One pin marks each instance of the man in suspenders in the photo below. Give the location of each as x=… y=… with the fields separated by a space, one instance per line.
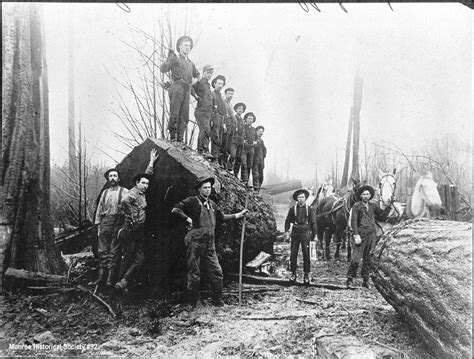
x=109 y=221
x=300 y=224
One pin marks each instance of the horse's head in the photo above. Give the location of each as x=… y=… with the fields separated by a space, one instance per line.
x=428 y=191
x=387 y=184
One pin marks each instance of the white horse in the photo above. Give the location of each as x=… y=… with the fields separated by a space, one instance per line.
x=425 y=200
x=387 y=186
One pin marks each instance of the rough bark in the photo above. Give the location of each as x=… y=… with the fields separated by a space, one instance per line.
x=25 y=141
x=175 y=174
x=423 y=269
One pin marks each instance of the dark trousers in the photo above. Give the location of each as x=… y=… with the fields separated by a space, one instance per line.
x=108 y=230
x=235 y=158
x=247 y=164
x=132 y=249
x=363 y=251
x=226 y=147
x=297 y=238
x=205 y=250
x=257 y=173
x=216 y=136
x=179 y=93
x=203 y=120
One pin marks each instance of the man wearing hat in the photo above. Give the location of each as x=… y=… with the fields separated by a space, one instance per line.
x=235 y=157
x=131 y=235
x=217 y=118
x=259 y=159
x=250 y=138
x=300 y=224
x=108 y=219
x=362 y=221
x=183 y=75
x=201 y=214
x=204 y=109
x=229 y=127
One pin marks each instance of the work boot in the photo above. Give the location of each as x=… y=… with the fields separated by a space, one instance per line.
x=195 y=298
x=336 y=255
x=110 y=278
x=327 y=255
x=101 y=277
x=306 y=279
x=122 y=286
x=293 y=277
x=349 y=282
x=365 y=282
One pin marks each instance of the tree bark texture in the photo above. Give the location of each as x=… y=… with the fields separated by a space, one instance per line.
x=25 y=141
x=176 y=172
x=423 y=269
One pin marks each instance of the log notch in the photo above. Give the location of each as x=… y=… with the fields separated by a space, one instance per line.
x=423 y=269
x=175 y=173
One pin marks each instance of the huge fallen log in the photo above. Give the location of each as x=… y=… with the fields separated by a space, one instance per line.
x=175 y=174
x=423 y=269
x=283 y=187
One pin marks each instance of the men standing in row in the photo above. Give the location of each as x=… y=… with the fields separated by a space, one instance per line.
x=183 y=74
x=237 y=144
x=204 y=109
x=217 y=118
x=201 y=214
x=230 y=127
x=259 y=160
x=249 y=146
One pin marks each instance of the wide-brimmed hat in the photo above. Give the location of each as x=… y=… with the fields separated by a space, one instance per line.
x=240 y=104
x=106 y=174
x=250 y=114
x=140 y=176
x=203 y=180
x=366 y=187
x=181 y=39
x=218 y=77
x=299 y=191
x=207 y=68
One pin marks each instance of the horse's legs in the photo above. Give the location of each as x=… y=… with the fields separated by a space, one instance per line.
x=320 y=233
x=349 y=249
x=327 y=239
x=339 y=238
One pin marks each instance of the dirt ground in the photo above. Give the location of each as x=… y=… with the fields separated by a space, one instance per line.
x=280 y=321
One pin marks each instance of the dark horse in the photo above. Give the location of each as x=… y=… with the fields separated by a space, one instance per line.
x=331 y=219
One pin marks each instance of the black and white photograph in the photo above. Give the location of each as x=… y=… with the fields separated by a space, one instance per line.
x=250 y=180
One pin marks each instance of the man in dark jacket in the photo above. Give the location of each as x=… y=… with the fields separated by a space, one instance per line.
x=362 y=222
x=235 y=157
x=217 y=118
x=259 y=160
x=201 y=214
x=229 y=129
x=204 y=109
x=300 y=224
x=183 y=74
x=250 y=138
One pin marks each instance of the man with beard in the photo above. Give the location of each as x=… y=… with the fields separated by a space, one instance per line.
x=217 y=118
x=131 y=235
x=203 y=110
x=230 y=124
x=235 y=158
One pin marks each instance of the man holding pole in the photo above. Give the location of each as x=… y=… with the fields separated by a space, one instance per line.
x=201 y=214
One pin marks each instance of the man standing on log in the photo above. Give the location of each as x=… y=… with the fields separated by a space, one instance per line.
x=362 y=221
x=230 y=124
x=183 y=74
x=249 y=146
x=204 y=109
x=217 y=118
x=300 y=224
x=259 y=160
x=201 y=213
x=109 y=221
x=131 y=235
x=236 y=147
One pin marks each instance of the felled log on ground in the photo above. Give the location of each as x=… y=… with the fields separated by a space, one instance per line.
x=35 y=276
x=176 y=172
x=283 y=187
x=423 y=269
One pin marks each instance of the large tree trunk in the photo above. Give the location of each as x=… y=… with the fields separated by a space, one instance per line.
x=175 y=174
x=283 y=187
x=25 y=142
x=423 y=269
x=355 y=175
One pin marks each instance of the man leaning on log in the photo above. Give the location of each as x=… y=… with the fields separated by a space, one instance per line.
x=201 y=213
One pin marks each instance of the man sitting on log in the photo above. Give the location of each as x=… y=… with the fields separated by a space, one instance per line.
x=362 y=221
x=201 y=213
x=131 y=235
x=300 y=224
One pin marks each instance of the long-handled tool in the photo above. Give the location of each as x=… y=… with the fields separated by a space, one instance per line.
x=242 y=248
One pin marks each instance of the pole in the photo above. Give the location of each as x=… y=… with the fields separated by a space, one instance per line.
x=242 y=248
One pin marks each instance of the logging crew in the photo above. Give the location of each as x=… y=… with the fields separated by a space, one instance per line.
x=236 y=147
x=204 y=109
x=229 y=127
x=183 y=75
x=300 y=224
x=249 y=146
x=131 y=235
x=259 y=159
x=201 y=214
x=362 y=222
x=109 y=221
x=217 y=118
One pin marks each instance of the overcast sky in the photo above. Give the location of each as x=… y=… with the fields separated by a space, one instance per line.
x=294 y=70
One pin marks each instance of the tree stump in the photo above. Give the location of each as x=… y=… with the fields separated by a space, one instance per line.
x=423 y=269
x=176 y=172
